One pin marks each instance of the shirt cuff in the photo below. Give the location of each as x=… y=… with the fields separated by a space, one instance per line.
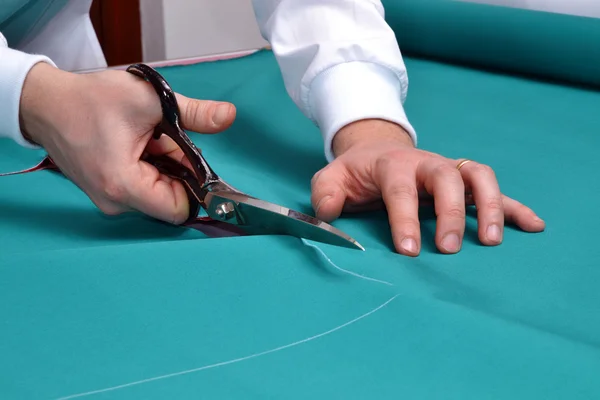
x=354 y=91
x=14 y=67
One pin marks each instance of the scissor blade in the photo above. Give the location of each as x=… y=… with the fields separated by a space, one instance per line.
x=258 y=217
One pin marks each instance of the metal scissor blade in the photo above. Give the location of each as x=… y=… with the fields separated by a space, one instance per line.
x=258 y=217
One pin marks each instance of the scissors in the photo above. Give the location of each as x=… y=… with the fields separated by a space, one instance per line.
x=230 y=212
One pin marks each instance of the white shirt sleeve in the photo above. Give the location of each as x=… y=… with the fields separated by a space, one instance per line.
x=339 y=59
x=14 y=67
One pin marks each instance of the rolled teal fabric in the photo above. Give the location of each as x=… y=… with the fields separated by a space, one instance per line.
x=541 y=44
x=22 y=18
x=8 y=8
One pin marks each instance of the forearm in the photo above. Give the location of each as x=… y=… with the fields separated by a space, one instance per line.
x=339 y=59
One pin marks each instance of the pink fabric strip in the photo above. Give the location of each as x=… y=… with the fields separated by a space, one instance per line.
x=46 y=163
x=185 y=61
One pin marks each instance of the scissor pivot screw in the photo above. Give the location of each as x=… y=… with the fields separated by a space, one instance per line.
x=225 y=211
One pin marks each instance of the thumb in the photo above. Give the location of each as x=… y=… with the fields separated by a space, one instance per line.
x=205 y=116
x=329 y=192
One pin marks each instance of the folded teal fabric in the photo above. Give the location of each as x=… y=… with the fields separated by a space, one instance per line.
x=538 y=44
x=21 y=18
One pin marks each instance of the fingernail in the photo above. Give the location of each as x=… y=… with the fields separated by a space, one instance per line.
x=321 y=202
x=451 y=243
x=221 y=115
x=493 y=233
x=409 y=245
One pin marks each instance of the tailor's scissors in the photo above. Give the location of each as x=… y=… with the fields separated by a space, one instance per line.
x=227 y=208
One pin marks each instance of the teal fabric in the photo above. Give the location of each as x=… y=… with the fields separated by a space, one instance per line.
x=8 y=8
x=20 y=19
x=134 y=308
x=538 y=44
x=92 y=302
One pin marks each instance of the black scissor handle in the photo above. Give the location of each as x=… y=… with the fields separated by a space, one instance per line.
x=168 y=101
x=171 y=123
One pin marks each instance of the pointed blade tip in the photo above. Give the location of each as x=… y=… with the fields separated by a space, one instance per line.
x=358 y=246
x=351 y=243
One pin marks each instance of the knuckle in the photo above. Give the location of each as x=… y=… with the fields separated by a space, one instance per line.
x=316 y=177
x=321 y=186
x=443 y=169
x=200 y=111
x=115 y=191
x=444 y=174
x=485 y=170
x=389 y=158
x=495 y=204
x=191 y=111
x=403 y=192
x=455 y=212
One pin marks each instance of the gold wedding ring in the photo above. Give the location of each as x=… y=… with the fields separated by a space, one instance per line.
x=462 y=164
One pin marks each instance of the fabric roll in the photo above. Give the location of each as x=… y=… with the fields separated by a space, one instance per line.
x=541 y=44
x=22 y=19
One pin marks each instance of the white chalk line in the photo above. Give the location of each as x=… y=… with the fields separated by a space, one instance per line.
x=287 y=346
x=342 y=269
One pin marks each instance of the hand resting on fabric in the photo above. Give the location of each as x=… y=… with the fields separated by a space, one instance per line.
x=377 y=164
x=96 y=128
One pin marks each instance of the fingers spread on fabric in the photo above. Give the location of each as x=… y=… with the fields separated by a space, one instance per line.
x=328 y=192
x=446 y=185
x=205 y=116
x=481 y=181
x=401 y=198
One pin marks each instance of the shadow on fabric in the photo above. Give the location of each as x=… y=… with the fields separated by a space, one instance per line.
x=248 y=144
x=83 y=222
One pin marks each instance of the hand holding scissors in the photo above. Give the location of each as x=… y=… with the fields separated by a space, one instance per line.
x=235 y=212
x=108 y=133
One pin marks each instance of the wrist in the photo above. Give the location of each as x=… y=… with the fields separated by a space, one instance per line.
x=367 y=131
x=357 y=91
x=43 y=92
